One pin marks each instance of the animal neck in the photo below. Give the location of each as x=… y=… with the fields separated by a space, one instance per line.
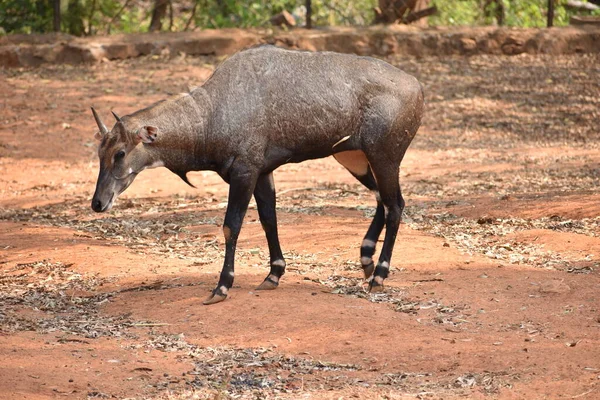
x=182 y=126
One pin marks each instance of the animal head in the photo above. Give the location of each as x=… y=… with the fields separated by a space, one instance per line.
x=124 y=152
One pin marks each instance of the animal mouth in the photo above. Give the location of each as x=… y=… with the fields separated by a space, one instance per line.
x=110 y=204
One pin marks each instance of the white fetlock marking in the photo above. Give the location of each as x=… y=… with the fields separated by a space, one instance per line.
x=385 y=265
x=278 y=263
x=366 y=260
x=223 y=290
x=368 y=243
x=231 y=273
x=274 y=278
x=379 y=280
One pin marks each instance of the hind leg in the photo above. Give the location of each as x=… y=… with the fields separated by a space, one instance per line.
x=387 y=130
x=391 y=197
x=367 y=248
x=355 y=161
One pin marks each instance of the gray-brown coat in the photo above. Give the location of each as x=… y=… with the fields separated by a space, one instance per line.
x=265 y=107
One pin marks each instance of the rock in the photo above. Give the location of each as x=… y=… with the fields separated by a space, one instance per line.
x=468 y=44
x=513 y=46
x=120 y=51
x=554 y=287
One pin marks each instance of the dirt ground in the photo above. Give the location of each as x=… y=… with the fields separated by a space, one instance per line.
x=494 y=285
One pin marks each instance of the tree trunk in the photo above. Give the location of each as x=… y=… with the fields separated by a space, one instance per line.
x=494 y=9
x=403 y=11
x=308 y=14
x=56 y=19
x=170 y=16
x=90 y=29
x=416 y=16
x=158 y=13
x=192 y=16
x=550 y=13
x=394 y=10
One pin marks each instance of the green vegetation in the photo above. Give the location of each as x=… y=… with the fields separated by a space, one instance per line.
x=526 y=14
x=88 y=17
x=26 y=16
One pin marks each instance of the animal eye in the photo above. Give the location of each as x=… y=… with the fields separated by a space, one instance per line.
x=119 y=155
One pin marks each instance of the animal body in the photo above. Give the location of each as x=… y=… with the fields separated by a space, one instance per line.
x=265 y=107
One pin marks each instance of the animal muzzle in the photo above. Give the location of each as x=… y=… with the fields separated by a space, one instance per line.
x=108 y=189
x=102 y=203
x=105 y=193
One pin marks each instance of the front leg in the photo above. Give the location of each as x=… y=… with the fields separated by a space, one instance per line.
x=241 y=186
x=264 y=193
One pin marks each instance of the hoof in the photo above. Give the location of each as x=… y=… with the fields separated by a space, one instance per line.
x=267 y=284
x=376 y=285
x=375 y=288
x=368 y=270
x=214 y=298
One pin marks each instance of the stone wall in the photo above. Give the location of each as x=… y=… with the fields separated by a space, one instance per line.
x=34 y=50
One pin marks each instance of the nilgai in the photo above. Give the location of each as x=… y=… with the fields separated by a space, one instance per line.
x=260 y=109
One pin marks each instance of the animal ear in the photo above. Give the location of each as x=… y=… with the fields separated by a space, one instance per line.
x=147 y=134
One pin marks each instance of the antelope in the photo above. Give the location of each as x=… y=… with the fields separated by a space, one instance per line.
x=265 y=107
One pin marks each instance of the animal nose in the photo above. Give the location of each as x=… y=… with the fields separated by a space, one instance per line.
x=96 y=205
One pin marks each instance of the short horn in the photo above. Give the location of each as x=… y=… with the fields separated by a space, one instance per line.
x=101 y=126
x=116 y=116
